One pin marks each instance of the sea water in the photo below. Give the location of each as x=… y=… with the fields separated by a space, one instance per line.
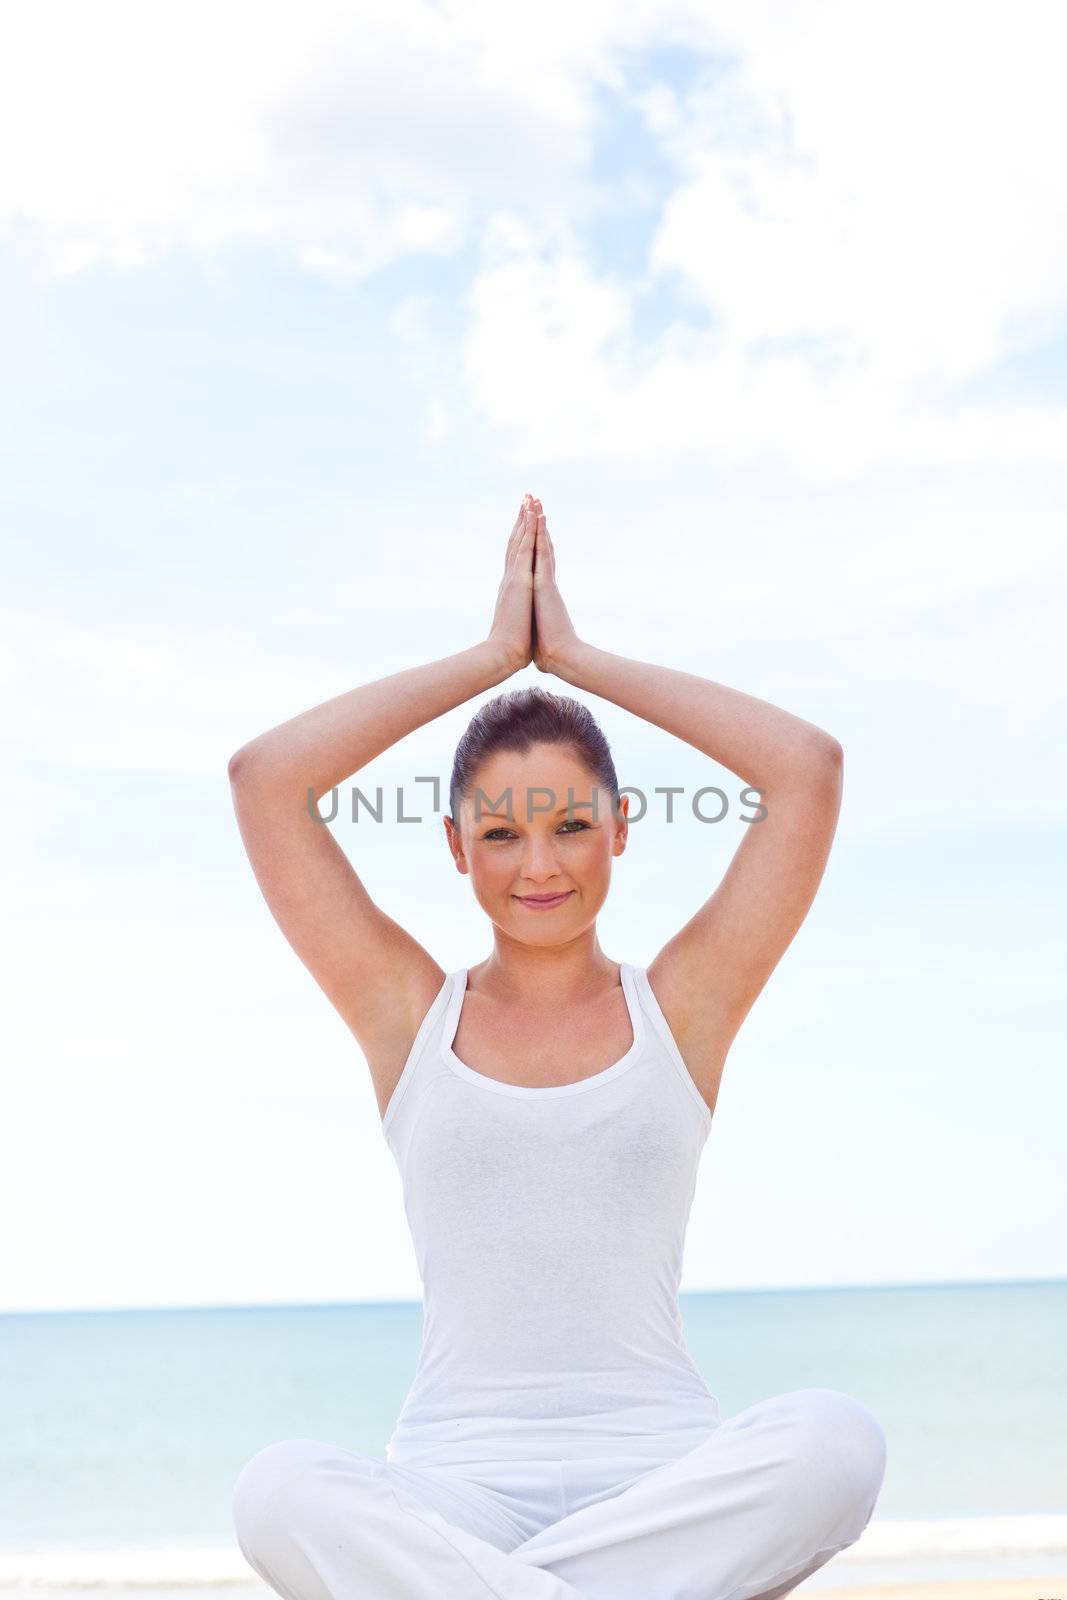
x=123 y=1431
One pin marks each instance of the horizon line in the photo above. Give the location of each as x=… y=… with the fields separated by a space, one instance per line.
x=349 y=1305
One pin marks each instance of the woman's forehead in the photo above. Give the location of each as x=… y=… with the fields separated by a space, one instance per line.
x=547 y=763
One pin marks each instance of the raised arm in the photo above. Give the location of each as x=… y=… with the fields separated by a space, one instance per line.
x=708 y=975
x=380 y=979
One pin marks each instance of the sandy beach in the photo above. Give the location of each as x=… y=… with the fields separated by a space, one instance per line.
x=1049 y=1588
x=223 y=1574
x=1039 y=1588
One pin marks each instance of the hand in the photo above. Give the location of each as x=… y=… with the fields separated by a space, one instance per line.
x=553 y=631
x=513 y=618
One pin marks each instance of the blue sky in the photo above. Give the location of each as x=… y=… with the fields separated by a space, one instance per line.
x=767 y=304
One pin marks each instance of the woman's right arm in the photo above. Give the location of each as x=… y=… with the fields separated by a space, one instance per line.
x=380 y=979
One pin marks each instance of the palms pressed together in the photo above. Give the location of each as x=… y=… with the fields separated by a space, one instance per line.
x=531 y=620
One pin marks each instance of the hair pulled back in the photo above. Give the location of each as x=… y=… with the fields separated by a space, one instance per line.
x=521 y=718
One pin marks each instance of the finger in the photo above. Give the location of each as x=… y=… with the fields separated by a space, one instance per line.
x=540 y=558
x=546 y=554
x=526 y=534
x=520 y=527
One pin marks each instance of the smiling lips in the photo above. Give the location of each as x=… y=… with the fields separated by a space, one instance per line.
x=542 y=902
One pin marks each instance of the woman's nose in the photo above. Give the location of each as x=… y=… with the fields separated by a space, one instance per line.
x=539 y=860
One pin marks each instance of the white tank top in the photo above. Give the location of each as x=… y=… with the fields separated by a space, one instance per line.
x=549 y=1226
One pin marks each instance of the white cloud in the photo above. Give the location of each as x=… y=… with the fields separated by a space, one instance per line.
x=551 y=356
x=870 y=209
x=866 y=201
x=349 y=136
x=900 y=191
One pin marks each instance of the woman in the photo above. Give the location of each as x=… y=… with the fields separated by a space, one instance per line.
x=547 y=1109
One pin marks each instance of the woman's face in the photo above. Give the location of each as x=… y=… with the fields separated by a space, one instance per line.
x=541 y=848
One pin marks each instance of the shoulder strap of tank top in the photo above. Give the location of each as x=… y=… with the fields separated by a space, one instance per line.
x=440 y=1011
x=655 y=1015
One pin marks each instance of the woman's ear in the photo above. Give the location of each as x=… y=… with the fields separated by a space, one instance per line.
x=622 y=825
x=455 y=844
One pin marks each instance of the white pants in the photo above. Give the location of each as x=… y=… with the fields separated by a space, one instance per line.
x=768 y=1496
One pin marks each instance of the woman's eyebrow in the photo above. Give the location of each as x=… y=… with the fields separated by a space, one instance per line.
x=575 y=805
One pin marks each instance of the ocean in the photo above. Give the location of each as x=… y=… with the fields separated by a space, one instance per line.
x=125 y=1430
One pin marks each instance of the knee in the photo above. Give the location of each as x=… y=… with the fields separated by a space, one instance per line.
x=273 y=1472
x=842 y=1457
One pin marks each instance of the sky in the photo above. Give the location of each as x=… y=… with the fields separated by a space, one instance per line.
x=768 y=304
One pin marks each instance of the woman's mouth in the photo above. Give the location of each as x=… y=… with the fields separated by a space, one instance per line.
x=543 y=902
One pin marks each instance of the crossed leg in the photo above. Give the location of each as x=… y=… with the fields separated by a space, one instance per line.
x=768 y=1497
x=317 y=1521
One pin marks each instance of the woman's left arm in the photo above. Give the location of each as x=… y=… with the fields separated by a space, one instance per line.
x=708 y=975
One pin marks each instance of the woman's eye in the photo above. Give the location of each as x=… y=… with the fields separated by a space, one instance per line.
x=500 y=834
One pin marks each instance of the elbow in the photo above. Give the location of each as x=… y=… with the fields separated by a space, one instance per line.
x=824 y=753
x=256 y=764
x=237 y=766
x=813 y=746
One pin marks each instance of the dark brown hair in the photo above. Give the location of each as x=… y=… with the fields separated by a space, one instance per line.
x=522 y=718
